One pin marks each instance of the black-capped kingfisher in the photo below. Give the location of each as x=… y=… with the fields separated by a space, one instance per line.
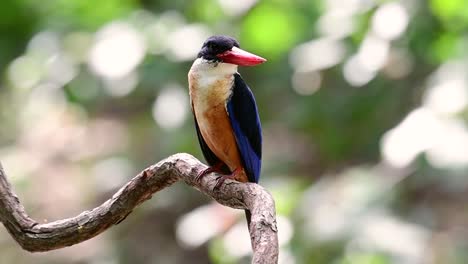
x=225 y=111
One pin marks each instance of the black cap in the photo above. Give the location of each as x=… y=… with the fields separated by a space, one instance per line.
x=215 y=45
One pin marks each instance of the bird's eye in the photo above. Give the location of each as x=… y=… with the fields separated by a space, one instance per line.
x=213 y=46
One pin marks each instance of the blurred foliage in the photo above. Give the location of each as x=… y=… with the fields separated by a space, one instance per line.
x=363 y=105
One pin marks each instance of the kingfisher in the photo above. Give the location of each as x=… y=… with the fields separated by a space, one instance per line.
x=225 y=112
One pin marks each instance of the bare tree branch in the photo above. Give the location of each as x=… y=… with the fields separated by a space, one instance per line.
x=33 y=236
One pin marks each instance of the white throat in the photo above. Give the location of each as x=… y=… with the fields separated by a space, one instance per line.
x=210 y=84
x=207 y=72
x=205 y=67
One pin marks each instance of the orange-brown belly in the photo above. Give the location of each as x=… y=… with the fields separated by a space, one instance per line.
x=216 y=130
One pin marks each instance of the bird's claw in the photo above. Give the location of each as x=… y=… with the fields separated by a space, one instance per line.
x=221 y=179
x=203 y=173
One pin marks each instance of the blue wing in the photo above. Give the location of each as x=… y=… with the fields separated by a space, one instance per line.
x=245 y=122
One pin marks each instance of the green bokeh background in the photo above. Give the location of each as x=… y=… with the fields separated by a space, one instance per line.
x=68 y=142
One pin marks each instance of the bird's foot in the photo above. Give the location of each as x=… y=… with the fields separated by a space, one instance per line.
x=203 y=173
x=223 y=178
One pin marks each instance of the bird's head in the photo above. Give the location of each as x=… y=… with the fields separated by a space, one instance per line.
x=225 y=49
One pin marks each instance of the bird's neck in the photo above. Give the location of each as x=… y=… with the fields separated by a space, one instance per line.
x=205 y=68
x=210 y=83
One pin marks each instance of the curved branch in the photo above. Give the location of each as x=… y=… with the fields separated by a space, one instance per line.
x=34 y=236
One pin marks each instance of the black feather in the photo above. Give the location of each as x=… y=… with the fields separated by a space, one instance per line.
x=215 y=45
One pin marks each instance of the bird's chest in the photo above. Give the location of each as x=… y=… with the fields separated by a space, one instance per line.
x=209 y=97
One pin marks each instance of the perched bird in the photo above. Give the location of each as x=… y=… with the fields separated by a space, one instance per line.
x=225 y=112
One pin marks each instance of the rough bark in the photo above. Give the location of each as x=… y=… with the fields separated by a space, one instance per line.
x=33 y=236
